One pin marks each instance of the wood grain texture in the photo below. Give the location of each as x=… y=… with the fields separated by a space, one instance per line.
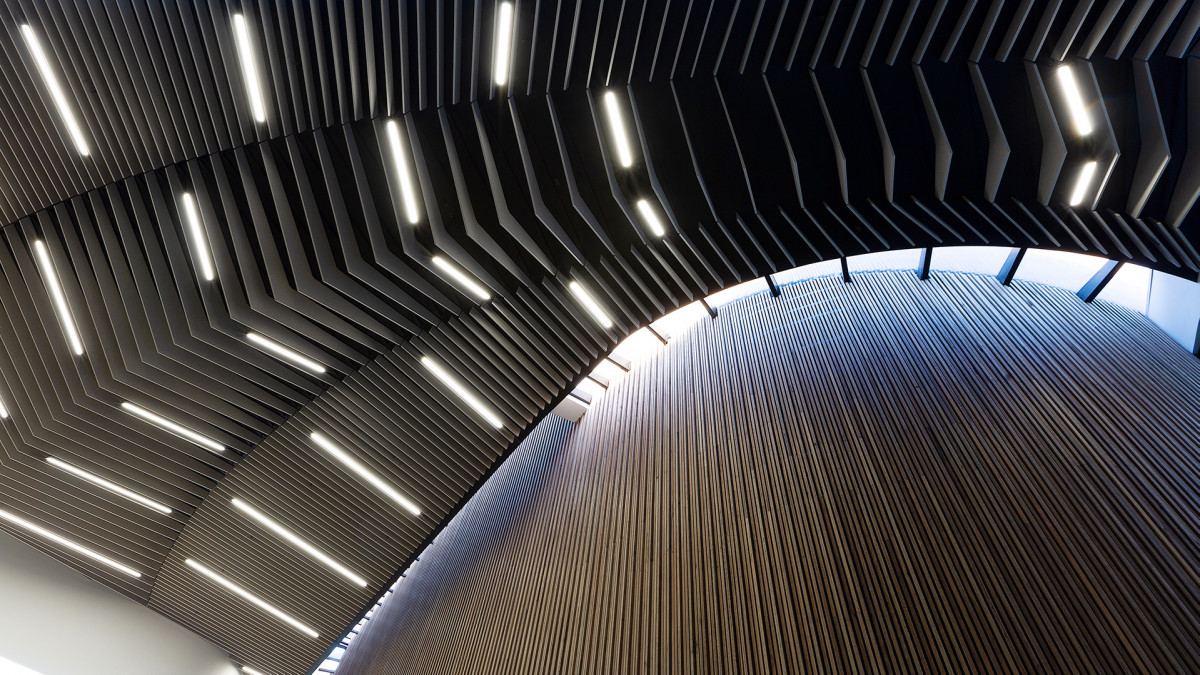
x=892 y=475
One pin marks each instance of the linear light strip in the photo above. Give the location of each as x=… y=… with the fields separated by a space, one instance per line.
x=465 y=394
x=650 y=217
x=461 y=278
x=50 y=277
x=241 y=35
x=363 y=472
x=56 y=90
x=3 y=411
x=251 y=598
x=181 y=431
x=400 y=157
x=107 y=485
x=67 y=543
x=589 y=303
x=197 y=238
x=251 y=671
x=1083 y=183
x=502 y=56
x=616 y=126
x=287 y=354
x=290 y=537
x=1070 y=90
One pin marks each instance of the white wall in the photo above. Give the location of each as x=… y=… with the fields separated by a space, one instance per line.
x=56 y=621
x=1175 y=306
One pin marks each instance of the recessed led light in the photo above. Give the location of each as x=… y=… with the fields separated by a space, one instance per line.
x=408 y=187
x=463 y=280
x=650 y=217
x=589 y=303
x=290 y=537
x=1082 y=183
x=197 y=238
x=56 y=90
x=3 y=411
x=616 y=126
x=363 y=472
x=465 y=394
x=181 y=431
x=107 y=485
x=251 y=598
x=502 y=56
x=1070 y=91
x=250 y=671
x=50 y=277
x=241 y=35
x=285 y=353
x=67 y=543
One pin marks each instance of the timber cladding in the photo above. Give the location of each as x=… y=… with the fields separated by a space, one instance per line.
x=892 y=475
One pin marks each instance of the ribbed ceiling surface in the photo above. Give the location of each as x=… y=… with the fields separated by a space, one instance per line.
x=770 y=134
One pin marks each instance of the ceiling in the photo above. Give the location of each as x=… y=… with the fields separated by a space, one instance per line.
x=766 y=135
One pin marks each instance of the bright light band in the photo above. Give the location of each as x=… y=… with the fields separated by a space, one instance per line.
x=67 y=543
x=1083 y=183
x=291 y=538
x=197 y=238
x=363 y=472
x=286 y=354
x=408 y=187
x=462 y=392
x=56 y=90
x=1070 y=90
x=650 y=217
x=616 y=125
x=502 y=56
x=107 y=485
x=245 y=50
x=251 y=598
x=50 y=277
x=589 y=303
x=461 y=278
x=181 y=431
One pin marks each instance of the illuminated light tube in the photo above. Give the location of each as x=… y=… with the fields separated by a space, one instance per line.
x=462 y=392
x=251 y=671
x=56 y=90
x=3 y=411
x=1070 y=90
x=107 y=485
x=67 y=543
x=285 y=353
x=50 y=277
x=290 y=537
x=241 y=35
x=589 y=303
x=181 y=431
x=363 y=472
x=1083 y=183
x=197 y=238
x=408 y=187
x=251 y=598
x=463 y=280
x=616 y=125
x=650 y=217
x=504 y=36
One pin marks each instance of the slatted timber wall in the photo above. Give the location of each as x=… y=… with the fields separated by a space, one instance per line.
x=883 y=476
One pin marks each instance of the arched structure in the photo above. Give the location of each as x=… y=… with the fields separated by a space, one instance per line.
x=763 y=136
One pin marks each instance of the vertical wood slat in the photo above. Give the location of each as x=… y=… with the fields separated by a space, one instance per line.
x=893 y=475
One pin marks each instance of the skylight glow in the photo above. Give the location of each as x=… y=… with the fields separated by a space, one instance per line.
x=465 y=394
x=245 y=50
x=56 y=91
x=461 y=278
x=67 y=543
x=650 y=218
x=290 y=537
x=178 y=430
x=12 y=668
x=1070 y=91
x=589 y=303
x=400 y=158
x=196 y=237
x=502 y=56
x=616 y=126
x=251 y=598
x=107 y=485
x=286 y=354
x=1083 y=183
x=50 y=277
x=363 y=472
